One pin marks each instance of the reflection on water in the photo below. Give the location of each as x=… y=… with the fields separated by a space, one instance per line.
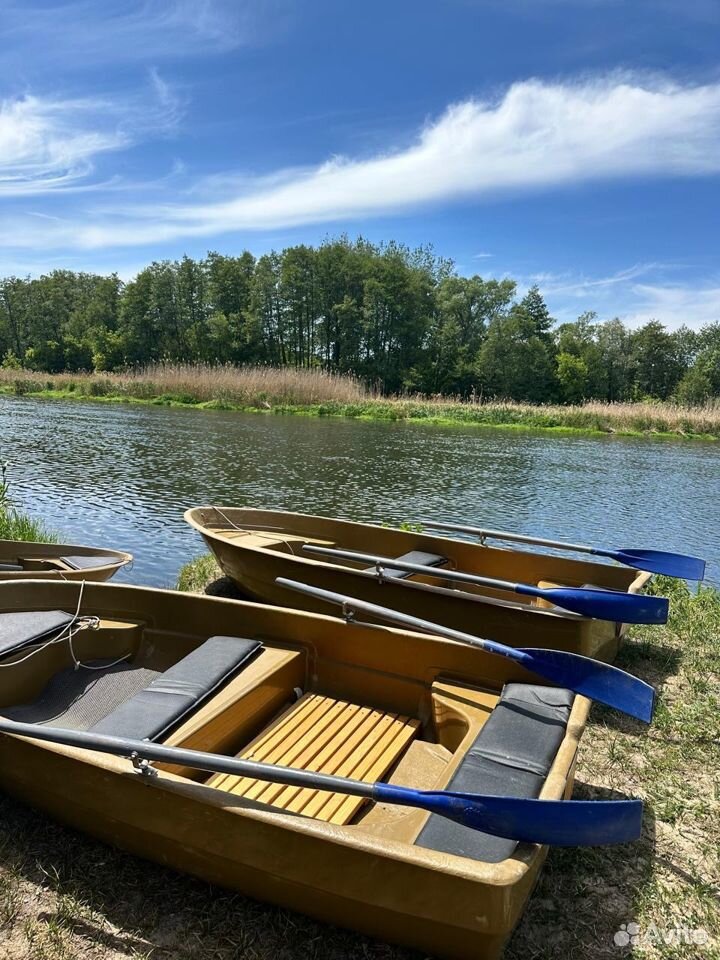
x=122 y=476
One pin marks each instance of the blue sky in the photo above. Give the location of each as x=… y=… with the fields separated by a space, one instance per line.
x=573 y=143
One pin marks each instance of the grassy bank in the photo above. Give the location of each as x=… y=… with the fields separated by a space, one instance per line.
x=314 y=393
x=64 y=897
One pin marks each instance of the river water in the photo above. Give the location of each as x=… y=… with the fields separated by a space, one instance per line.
x=121 y=476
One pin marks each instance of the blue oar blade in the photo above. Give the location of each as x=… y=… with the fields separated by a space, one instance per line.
x=594 y=679
x=560 y=823
x=610 y=604
x=659 y=561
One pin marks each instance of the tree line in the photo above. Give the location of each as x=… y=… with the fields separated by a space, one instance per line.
x=400 y=319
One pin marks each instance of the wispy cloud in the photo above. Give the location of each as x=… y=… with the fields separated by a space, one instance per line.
x=675 y=294
x=50 y=144
x=537 y=136
x=134 y=30
x=693 y=305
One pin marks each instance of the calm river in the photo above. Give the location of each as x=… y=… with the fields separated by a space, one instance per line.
x=123 y=475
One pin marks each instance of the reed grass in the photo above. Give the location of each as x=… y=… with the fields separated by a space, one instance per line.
x=317 y=393
x=196 y=383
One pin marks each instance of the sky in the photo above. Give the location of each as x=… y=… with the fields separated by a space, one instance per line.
x=570 y=143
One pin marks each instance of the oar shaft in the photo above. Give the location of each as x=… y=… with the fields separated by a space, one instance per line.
x=198 y=760
x=350 y=605
x=486 y=534
x=389 y=563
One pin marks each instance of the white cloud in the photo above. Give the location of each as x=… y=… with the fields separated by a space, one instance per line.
x=675 y=305
x=538 y=136
x=50 y=144
x=636 y=294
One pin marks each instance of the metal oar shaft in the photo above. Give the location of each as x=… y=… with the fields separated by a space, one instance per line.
x=198 y=760
x=484 y=533
x=351 y=604
x=385 y=563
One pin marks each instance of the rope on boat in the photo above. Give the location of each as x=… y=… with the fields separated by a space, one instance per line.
x=248 y=532
x=77 y=624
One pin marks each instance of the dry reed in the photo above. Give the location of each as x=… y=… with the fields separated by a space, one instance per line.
x=288 y=389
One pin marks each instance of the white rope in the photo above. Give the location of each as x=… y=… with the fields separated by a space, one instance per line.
x=76 y=624
x=250 y=532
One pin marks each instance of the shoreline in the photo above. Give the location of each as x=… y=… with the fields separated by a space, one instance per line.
x=511 y=416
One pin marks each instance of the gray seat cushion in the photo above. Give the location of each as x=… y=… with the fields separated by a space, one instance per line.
x=415 y=556
x=152 y=712
x=84 y=562
x=18 y=630
x=510 y=757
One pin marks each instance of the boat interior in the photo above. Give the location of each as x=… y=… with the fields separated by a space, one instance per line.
x=22 y=557
x=290 y=533
x=28 y=564
x=342 y=702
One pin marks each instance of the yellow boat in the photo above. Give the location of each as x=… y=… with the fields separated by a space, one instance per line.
x=254 y=547
x=304 y=691
x=26 y=560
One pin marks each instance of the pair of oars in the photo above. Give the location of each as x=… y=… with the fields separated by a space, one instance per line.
x=587 y=601
x=653 y=561
x=554 y=822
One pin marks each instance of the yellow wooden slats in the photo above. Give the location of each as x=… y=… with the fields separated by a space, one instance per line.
x=326 y=736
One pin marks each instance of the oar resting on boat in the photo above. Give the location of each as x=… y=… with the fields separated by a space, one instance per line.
x=594 y=679
x=600 y=604
x=654 y=561
x=565 y=823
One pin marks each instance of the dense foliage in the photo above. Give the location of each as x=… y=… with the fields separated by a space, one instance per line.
x=400 y=319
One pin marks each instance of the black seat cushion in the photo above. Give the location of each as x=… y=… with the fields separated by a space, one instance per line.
x=152 y=712
x=19 y=630
x=510 y=757
x=415 y=556
x=85 y=562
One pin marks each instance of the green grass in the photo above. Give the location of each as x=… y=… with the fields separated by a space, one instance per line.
x=66 y=897
x=195 y=576
x=15 y=525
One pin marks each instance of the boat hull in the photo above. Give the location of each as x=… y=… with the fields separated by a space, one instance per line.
x=491 y=615
x=43 y=561
x=441 y=904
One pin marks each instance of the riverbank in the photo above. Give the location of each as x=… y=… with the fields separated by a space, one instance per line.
x=64 y=896
x=18 y=526
x=314 y=393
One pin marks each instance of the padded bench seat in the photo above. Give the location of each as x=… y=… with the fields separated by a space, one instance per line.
x=85 y=562
x=18 y=630
x=418 y=557
x=510 y=757
x=156 y=709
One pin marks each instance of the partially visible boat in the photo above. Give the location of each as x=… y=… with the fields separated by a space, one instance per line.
x=306 y=691
x=26 y=560
x=255 y=547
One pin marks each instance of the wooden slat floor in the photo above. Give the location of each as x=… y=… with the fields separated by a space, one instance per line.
x=329 y=736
